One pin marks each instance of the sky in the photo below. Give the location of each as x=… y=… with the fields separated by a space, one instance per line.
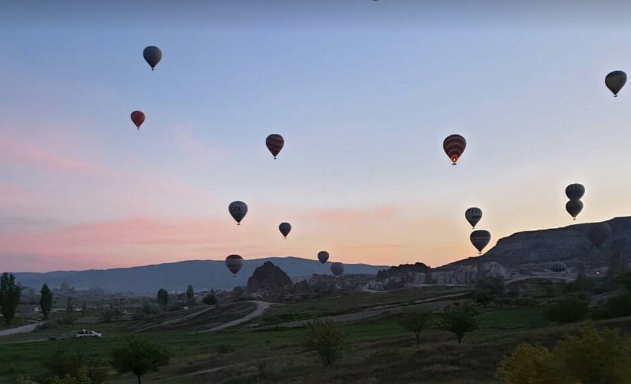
x=364 y=92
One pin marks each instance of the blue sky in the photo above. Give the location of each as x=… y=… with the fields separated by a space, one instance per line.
x=364 y=93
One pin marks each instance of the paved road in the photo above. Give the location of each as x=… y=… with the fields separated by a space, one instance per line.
x=18 y=330
x=261 y=307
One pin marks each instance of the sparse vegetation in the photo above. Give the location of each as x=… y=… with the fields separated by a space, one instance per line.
x=210 y=299
x=326 y=340
x=72 y=367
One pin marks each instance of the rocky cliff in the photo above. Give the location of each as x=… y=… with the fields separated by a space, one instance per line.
x=268 y=282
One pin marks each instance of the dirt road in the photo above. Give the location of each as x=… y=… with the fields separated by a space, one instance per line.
x=18 y=330
x=261 y=307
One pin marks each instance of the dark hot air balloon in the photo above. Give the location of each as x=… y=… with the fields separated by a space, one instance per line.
x=480 y=239
x=275 y=143
x=323 y=256
x=238 y=210
x=558 y=267
x=598 y=233
x=284 y=228
x=454 y=146
x=337 y=269
x=615 y=81
x=574 y=207
x=152 y=56
x=138 y=118
x=473 y=215
x=574 y=191
x=234 y=264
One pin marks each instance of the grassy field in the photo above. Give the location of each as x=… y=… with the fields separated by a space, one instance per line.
x=381 y=351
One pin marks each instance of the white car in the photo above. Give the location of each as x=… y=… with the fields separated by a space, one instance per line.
x=84 y=333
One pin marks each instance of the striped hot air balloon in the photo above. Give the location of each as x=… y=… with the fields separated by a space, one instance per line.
x=574 y=207
x=615 y=81
x=473 y=215
x=138 y=118
x=575 y=191
x=454 y=146
x=275 y=143
x=598 y=233
x=558 y=267
x=480 y=239
x=234 y=264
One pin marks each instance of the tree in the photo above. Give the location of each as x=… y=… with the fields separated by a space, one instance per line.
x=139 y=357
x=415 y=321
x=459 y=320
x=190 y=294
x=326 y=340
x=567 y=311
x=210 y=299
x=592 y=356
x=84 y=309
x=46 y=300
x=163 y=297
x=9 y=296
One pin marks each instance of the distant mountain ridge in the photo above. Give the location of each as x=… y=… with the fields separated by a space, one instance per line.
x=202 y=274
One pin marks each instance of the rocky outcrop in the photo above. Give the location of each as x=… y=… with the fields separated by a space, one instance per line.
x=270 y=283
x=403 y=275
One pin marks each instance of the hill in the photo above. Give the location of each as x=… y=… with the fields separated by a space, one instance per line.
x=202 y=274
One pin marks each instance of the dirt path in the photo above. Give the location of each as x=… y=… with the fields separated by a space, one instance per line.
x=261 y=307
x=18 y=330
x=176 y=320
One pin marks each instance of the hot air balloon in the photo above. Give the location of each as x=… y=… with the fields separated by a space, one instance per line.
x=138 y=118
x=323 y=256
x=473 y=216
x=615 y=81
x=275 y=143
x=558 y=267
x=234 y=264
x=238 y=210
x=598 y=233
x=480 y=239
x=574 y=207
x=574 y=191
x=152 y=56
x=284 y=228
x=454 y=146
x=337 y=269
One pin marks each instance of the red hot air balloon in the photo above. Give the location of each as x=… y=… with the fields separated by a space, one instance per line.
x=234 y=264
x=275 y=143
x=138 y=118
x=454 y=146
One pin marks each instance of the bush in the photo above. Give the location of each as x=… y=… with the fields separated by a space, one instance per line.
x=567 y=311
x=415 y=321
x=150 y=308
x=616 y=306
x=326 y=340
x=110 y=314
x=591 y=357
x=225 y=348
x=69 y=368
x=210 y=299
x=139 y=357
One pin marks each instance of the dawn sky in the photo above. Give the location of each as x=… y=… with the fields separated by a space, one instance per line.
x=364 y=93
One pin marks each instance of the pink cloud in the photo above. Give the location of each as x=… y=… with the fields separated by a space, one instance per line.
x=16 y=153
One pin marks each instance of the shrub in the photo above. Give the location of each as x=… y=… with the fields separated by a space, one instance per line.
x=591 y=357
x=63 y=367
x=567 y=311
x=615 y=306
x=110 y=314
x=210 y=299
x=415 y=321
x=225 y=348
x=459 y=320
x=139 y=357
x=326 y=340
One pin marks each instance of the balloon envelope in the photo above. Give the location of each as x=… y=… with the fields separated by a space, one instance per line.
x=615 y=81
x=574 y=207
x=454 y=146
x=480 y=239
x=238 y=210
x=234 y=264
x=473 y=215
x=598 y=233
x=558 y=267
x=138 y=118
x=284 y=228
x=574 y=191
x=337 y=269
x=323 y=256
x=152 y=56
x=275 y=143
